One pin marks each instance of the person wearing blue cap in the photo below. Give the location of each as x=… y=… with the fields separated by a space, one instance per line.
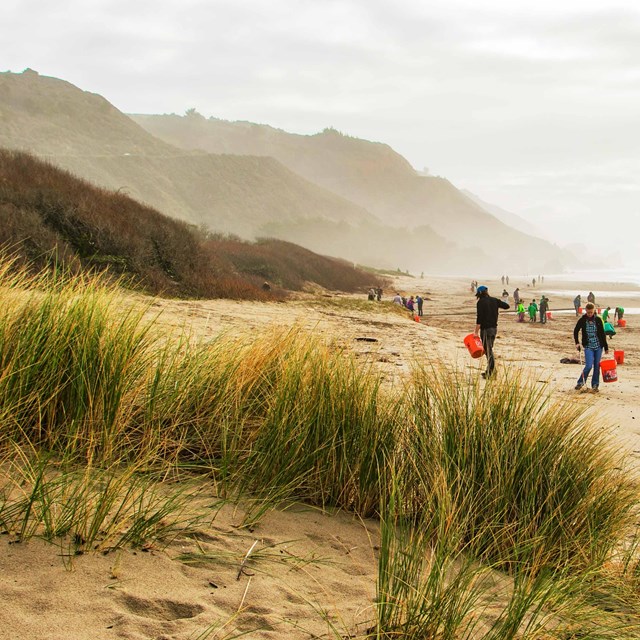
x=487 y=324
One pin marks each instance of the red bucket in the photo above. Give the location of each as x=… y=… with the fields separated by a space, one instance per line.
x=474 y=345
x=416 y=318
x=599 y=310
x=618 y=356
x=549 y=316
x=622 y=322
x=579 y=309
x=609 y=371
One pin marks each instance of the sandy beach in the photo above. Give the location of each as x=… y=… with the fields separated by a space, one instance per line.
x=309 y=571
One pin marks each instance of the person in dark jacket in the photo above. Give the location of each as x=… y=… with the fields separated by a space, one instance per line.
x=487 y=324
x=593 y=341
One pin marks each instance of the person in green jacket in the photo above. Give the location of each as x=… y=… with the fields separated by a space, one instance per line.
x=533 y=311
x=605 y=314
x=618 y=313
x=520 y=310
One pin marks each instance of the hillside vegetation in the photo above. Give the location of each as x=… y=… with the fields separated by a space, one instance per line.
x=49 y=216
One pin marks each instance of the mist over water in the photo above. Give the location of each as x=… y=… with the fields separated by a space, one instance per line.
x=621 y=275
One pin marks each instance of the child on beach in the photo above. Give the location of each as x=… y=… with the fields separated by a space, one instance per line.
x=533 y=310
x=520 y=310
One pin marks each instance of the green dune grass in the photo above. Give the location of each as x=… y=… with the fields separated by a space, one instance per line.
x=470 y=482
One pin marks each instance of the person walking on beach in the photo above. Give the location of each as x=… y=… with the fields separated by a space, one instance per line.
x=516 y=296
x=505 y=295
x=533 y=310
x=397 y=299
x=593 y=341
x=419 y=302
x=577 y=303
x=591 y=297
x=487 y=324
x=520 y=311
x=605 y=314
x=544 y=307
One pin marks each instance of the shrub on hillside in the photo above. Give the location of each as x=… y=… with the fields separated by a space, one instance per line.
x=48 y=215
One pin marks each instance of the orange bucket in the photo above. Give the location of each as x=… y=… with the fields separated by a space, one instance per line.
x=549 y=316
x=474 y=345
x=622 y=322
x=579 y=309
x=609 y=371
x=416 y=318
x=599 y=310
x=618 y=356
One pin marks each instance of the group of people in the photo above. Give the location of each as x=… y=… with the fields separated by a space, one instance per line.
x=533 y=309
x=375 y=293
x=413 y=304
x=589 y=332
x=505 y=280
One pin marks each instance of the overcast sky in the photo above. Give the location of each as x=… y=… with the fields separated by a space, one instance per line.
x=534 y=107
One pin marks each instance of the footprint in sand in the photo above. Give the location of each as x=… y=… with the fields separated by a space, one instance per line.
x=160 y=609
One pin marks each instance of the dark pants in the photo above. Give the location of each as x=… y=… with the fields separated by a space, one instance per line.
x=488 y=337
x=419 y=309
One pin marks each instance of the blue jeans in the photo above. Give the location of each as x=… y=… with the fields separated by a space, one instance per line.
x=591 y=361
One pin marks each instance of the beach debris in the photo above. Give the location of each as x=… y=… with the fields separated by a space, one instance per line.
x=366 y=339
x=242 y=569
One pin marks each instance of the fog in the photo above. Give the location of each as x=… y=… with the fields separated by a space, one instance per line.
x=532 y=108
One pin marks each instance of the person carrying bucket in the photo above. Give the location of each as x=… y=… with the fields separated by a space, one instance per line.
x=544 y=307
x=594 y=341
x=487 y=324
x=577 y=303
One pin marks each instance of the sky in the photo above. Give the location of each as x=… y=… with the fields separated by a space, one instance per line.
x=532 y=106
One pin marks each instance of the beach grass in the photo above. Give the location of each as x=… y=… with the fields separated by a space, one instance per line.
x=98 y=407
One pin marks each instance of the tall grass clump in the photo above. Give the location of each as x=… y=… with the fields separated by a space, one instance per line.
x=325 y=427
x=539 y=482
x=91 y=508
x=71 y=358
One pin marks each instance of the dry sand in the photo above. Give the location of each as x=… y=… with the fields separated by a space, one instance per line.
x=310 y=565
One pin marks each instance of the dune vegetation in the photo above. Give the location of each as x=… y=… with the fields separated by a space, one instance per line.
x=502 y=514
x=50 y=218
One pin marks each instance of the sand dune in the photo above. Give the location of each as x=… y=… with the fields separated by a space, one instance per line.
x=308 y=569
